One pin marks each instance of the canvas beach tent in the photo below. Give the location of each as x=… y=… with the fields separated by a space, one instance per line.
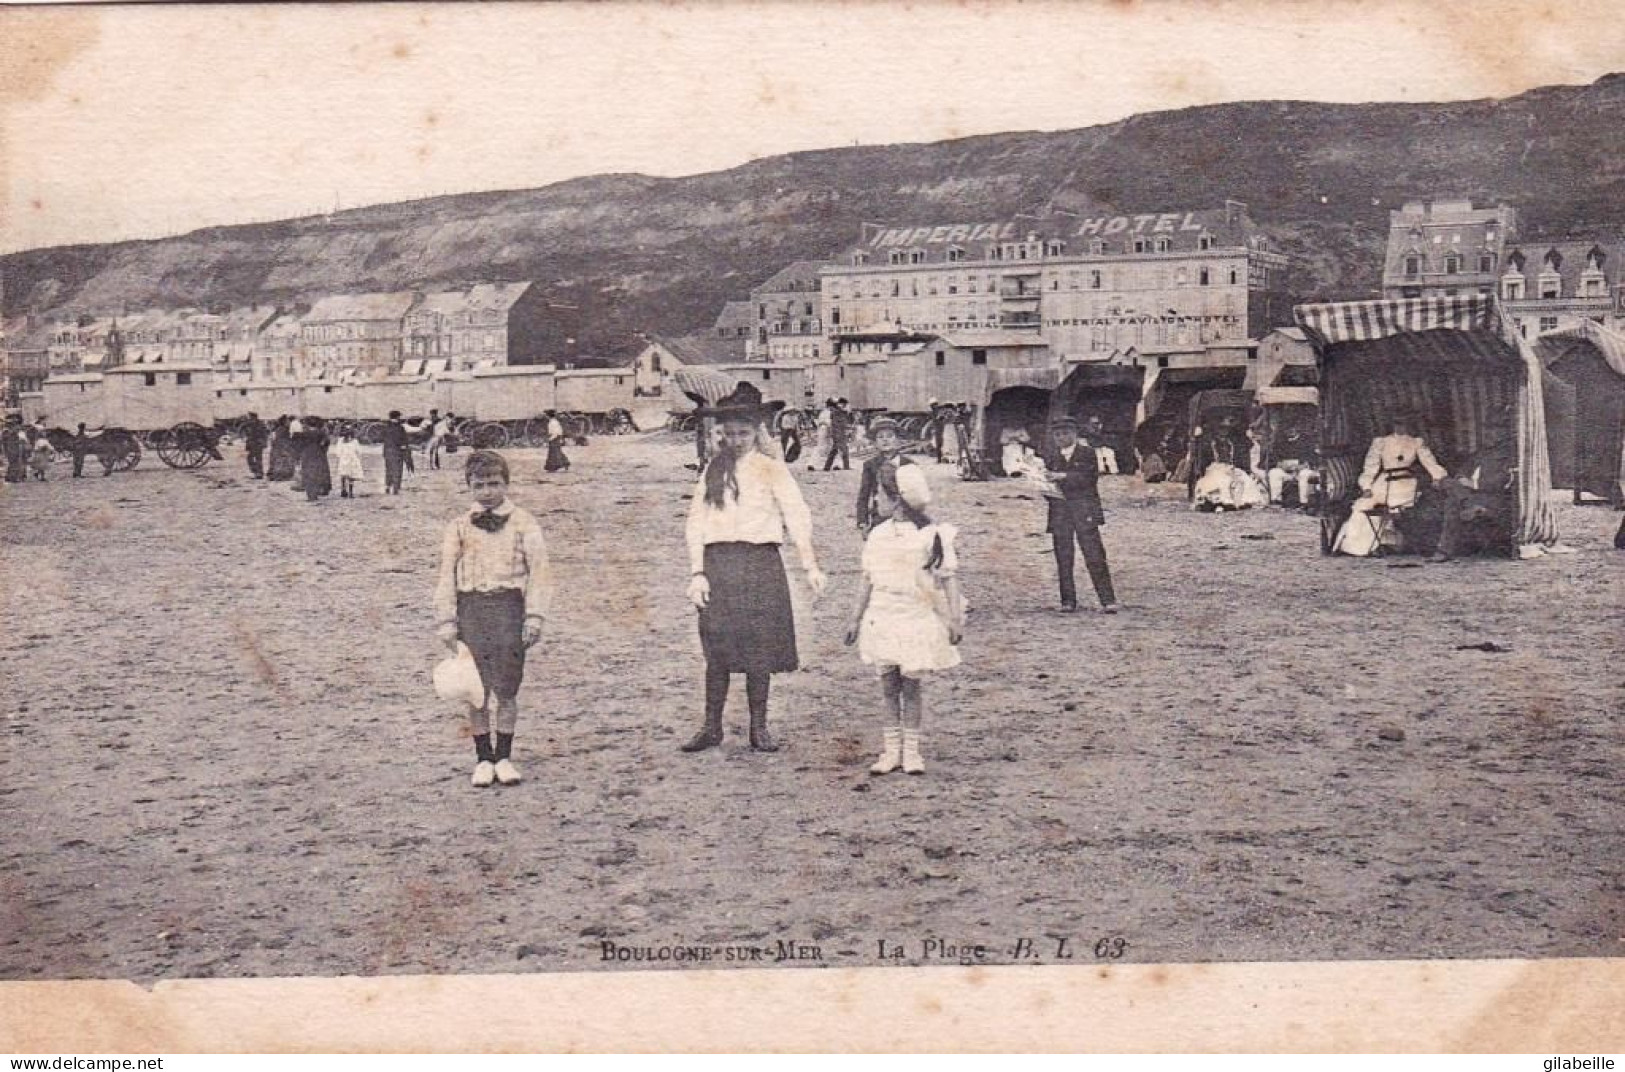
x=1453 y=364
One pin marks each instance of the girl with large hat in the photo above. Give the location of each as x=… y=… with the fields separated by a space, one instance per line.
x=745 y=504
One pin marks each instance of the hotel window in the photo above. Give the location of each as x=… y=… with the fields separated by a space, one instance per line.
x=1413 y=266
x=1548 y=323
x=1512 y=289
x=1204 y=241
x=1486 y=262
x=1097 y=247
x=1203 y=277
x=1452 y=265
x=956 y=253
x=149 y=379
x=1551 y=286
x=1235 y=277
x=1593 y=287
x=897 y=257
x=916 y=256
x=1164 y=244
x=1142 y=245
x=896 y=289
x=953 y=284
x=942 y=359
x=978 y=357
x=183 y=378
x=970 y=285
x=1055 y=249
x=1094 y=280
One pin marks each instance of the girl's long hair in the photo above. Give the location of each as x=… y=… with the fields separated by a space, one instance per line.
x=920 y=519
x=722 y=474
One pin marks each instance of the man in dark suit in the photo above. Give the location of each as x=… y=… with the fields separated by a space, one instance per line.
x=394 y=440
x=840 y=425
x=1077 y=515
x=254 y=439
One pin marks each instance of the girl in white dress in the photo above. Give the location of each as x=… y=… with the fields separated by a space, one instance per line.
x=348 y=455
x=910 y=615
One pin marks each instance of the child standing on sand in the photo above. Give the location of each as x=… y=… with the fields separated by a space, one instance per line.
x=41 y=456
x=348 y=456
x=493 y=596
x=910 y=615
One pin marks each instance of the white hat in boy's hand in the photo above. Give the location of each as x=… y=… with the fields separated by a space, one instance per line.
x=458 y=679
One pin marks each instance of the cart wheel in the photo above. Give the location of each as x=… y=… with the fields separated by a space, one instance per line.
x=186 y=446
x=533 y=433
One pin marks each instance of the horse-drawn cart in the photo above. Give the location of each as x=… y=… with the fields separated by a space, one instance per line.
x=168 y=409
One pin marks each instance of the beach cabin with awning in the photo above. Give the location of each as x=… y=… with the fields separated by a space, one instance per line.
x=1590 y=359
x=1457 y=367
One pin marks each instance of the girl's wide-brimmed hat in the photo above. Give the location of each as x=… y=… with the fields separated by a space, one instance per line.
x=743 y=403
x=913 y=487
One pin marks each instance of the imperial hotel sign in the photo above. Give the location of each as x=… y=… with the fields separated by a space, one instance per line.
x=1092 y=287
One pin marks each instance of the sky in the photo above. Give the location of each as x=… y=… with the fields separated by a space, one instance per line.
x=148 y=120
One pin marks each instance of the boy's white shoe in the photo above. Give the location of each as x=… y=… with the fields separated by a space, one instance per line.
x=484 y=774
x=507 y=773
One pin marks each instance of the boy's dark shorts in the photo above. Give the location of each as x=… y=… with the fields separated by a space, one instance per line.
x=492 y=624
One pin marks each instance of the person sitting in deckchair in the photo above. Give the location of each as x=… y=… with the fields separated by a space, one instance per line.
x=1389 y=482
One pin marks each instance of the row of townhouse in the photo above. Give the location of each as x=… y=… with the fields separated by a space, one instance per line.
x=343 y=336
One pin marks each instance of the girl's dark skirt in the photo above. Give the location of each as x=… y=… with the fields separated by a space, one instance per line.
x=492 y=624
x=748 y=626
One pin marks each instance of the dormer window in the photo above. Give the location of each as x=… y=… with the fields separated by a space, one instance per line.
x=1098 y=247
x=956 y=253
x=1452 y=264
x=1413 y=266
x=1164 y=244
x=1204 y=241
x=1551 y=285
x=1486 y=262
x=898 y=256
x=1055 y=249
x=860 y=258
x=1142 y=245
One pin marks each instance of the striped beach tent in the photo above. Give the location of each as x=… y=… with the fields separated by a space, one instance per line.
x=704 y=385
x=1456 y=366
x=1591 y=359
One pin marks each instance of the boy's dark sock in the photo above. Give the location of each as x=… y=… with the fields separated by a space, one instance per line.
x=482 y=748
x=504 y=746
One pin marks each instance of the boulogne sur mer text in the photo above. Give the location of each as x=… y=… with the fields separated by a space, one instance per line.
x=776 y=953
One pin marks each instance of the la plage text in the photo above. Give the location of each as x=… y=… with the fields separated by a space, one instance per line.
x=1048 y=948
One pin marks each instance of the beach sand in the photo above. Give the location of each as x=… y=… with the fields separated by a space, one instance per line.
x=223 y=756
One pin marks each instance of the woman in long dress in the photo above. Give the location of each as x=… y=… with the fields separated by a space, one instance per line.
x=316 y=476
x=284 y=455
x=556 y=459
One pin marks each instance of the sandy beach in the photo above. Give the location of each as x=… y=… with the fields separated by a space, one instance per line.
x=223 y=756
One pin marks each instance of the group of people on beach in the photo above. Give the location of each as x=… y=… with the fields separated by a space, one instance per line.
x=299 y=449
x=27 y=451
x=908 y=620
